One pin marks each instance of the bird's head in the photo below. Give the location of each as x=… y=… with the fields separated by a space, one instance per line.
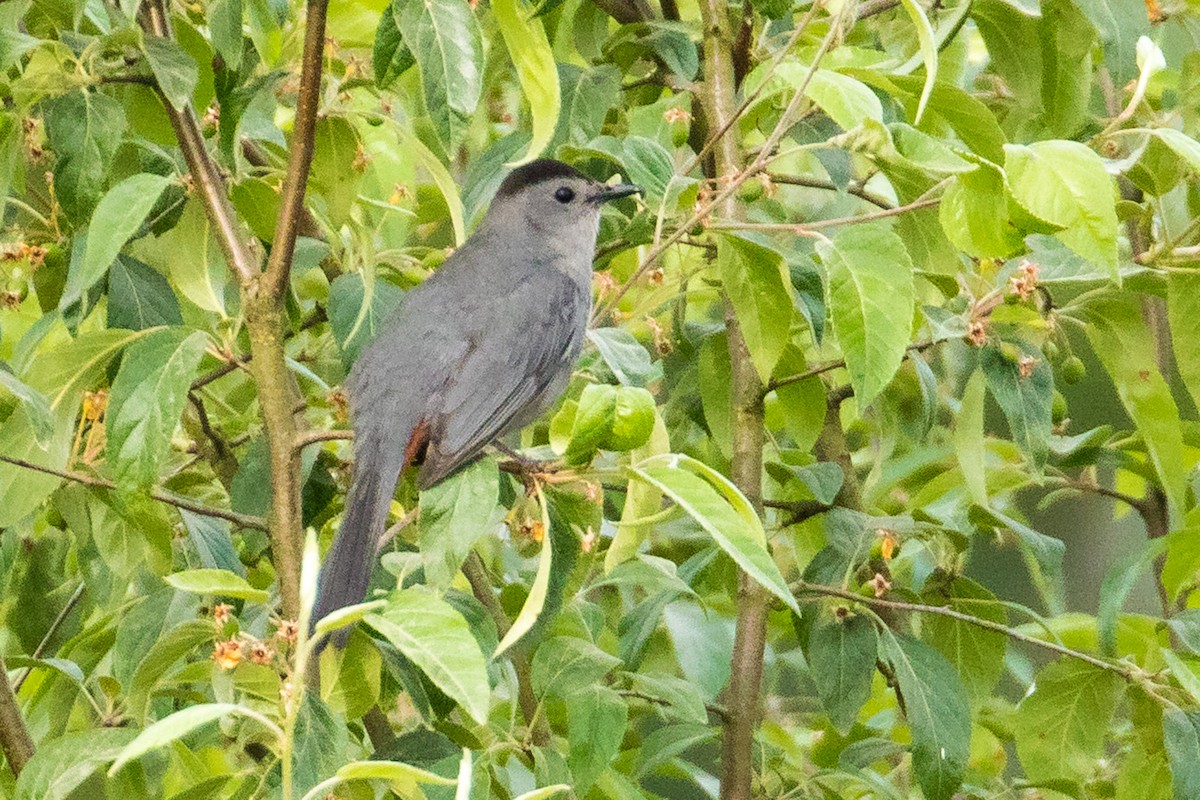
x=556 y=199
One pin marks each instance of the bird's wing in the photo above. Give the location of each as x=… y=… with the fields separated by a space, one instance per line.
x=513 y=363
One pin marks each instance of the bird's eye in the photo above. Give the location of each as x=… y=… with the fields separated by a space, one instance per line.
x=564 y=194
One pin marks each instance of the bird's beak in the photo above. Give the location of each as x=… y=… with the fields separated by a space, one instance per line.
x=620 y=190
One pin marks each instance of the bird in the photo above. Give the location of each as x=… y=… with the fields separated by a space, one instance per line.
x=479 y=349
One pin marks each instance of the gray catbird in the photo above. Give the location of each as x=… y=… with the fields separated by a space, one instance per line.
x=479 y=349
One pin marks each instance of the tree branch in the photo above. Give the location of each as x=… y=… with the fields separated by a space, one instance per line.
x=1127 y=671
x=241 y=520
x=235 y=244
x=312 y=437
x=14 y=736
x=743 y=693
x=295 y=182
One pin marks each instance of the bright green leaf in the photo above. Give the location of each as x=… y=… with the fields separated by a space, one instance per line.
x=1061 y=727
x=216 y=582
x=759 y=288
x=1065 y=183
x=435 y=637
x=530 y=51
x=871 y=302
x=147 y=399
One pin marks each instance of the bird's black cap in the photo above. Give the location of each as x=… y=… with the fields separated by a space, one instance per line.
x=544 y=169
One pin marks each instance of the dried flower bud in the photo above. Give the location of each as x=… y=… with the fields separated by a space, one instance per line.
x=227 y=654
x=221 y=613
x=977 y=333
x=880 y=584
x=287 y=630
x=1025 y=365
x=260 y=653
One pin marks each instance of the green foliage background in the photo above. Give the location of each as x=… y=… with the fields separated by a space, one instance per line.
x=952 y=227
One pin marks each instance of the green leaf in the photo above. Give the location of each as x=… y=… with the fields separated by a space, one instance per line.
x=390 y=57
x=846 y=101
x=966 y=114
x=1124 y=344
x=445 y=39
x=1062 y=726
x=759 y=287
x=642 y=501
x=164 y=653
x=871 y=303
x=225 y=23
x=216 y=582
x=454 y=515
x=928 y=53
x=65 y=372
x=1184 y=146
x=1183 y=313
x=974 y=213
x=595 y=727
x=334 y=176
x=610 y=418
x=968 y=438
x=62 y=765
x=139 y=297
x=648 y=164
x=118 y=216
x=84 y=129
x=1025 y=400
x=1045 y=553
x=731 y=521
x=841 y=657
x=535 y=602
x=679 y=698
x=935 y=706
x=174 y=70
x=545 y=793
x=435 y=637
x=1181 y=738
x=529 y=48
x=392 y=771
x=441 y=177
x=357 y=310
x=36 y=407
x=147 y=400
x=14 y=42
x=1065 y=183
x=178 y=725
x=563 y=664
x=627 y=358
x=977 y=654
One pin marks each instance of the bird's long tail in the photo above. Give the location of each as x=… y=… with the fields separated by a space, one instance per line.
x=346 y=571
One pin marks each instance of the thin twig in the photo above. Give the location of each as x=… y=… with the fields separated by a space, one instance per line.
x=242 y=520
x=395 y=528
x=300 y=154
x=819 y=183
x=15 y=741
x=40 y=650
x=718 y=711
x=800 y=509
x=206 y=177
x=1128 y=671
x=312 y=437
x=820 y=369
x=802 y=228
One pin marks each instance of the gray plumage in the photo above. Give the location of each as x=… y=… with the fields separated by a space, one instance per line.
x=479 y=349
